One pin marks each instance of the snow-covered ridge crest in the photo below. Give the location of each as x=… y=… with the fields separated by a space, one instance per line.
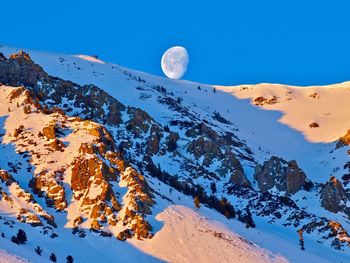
x=319 y=112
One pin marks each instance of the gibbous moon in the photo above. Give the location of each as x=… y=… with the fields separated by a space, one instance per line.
x=174 y=62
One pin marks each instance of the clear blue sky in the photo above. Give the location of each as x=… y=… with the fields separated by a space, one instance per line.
x=230 y=42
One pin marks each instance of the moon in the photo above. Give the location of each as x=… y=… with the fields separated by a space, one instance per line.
x=174 y=62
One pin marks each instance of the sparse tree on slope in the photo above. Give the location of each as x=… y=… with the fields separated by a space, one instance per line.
x=20 y=238
x=197 y=202
x=53 y=257
x=38 y=250
x=70 y=259
x=213 y=187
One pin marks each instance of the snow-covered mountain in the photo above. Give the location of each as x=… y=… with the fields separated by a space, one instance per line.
x=94 y=154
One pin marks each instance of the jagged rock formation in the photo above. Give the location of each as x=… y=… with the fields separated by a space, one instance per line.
x=80 y=157
x=140 y=202
x=334 y=197
x=18 y=70
x=14 y=197
x=285 y=176
x=206 y=145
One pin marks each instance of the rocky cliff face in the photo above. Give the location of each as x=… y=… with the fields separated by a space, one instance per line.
x=285 y=176
x=334 y=197
x=69 y=156
x=207 y=145
x=18 y=69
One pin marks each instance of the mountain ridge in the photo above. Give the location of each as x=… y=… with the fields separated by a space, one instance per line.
x=197 y=138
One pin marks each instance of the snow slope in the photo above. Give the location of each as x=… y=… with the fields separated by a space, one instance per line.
x=7 y=258
x=189 y=237
x=18 y=254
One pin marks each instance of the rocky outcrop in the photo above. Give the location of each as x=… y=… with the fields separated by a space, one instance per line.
x=285 y=176
x=139 y=122
x=51 y=189
x=12 y=196
x=20 y=70
x=6 y=178
x=210 y=146
x=90 y=184
x=172 y=141
x=334 y=197
x=344 y=140
x=50 y=131
x=140 y=197
x=261 y=101
x=206 y=148
x=139 y=192
x=92 y=171
x=124 y=235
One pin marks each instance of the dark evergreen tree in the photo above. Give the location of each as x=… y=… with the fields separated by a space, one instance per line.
x=70 y=259
x=14 y=240
x=53 y=257
x=301 y=239
x=249 y=219
x=301 y=243
x=213 y=187
x=172 y=145
x=38 y=250
x=225 y=208
x=20 y=238
x=166 y=128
